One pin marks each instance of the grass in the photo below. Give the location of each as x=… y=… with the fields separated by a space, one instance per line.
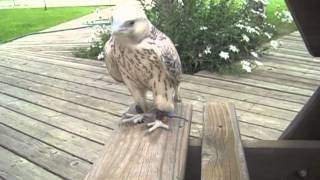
x=17 y=22
x=282 y=28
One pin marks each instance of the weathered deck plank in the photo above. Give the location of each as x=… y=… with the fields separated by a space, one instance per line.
x=41 y=81
x=50 y=135
x=58 y=120
x=134 y=154
x=44 y=89
x=256 y=83
x=43 y=155
x=95 y=81
x=222 y=152
x=14 y=167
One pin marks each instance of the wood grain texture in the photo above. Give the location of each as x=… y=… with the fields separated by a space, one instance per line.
x=45 y=156
x=132 y=153
x=222 y=152
x=13 y=167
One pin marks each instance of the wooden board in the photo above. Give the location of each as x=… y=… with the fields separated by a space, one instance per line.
x=134 y=154
x=46 y=156
x=13 y=167
x=112 y=86
x=222 y=152
x=90 y=93
x=51 y=135
x=67 y=123
x=256 y=83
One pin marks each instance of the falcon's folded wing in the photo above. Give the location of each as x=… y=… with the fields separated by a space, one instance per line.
x=110 y=58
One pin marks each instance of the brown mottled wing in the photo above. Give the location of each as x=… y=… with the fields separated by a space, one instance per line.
x=111 y=62
x=169 y=55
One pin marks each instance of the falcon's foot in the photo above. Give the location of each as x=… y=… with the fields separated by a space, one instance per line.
x=135 y=118
x=157 y=120
x=154 y=118
x=157 y=124
x=133 y=114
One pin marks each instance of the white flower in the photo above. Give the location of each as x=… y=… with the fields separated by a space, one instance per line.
x=234 y=48
x=259 y=63
x=286 y=17
x=203 y=28
x=264 y=2
x=100 y=56
x=254 y=11
x=224 y=55
x=254 y=54
x=207 y=50
x=245 y=38
x=181 y=2
x=240 y=26
x=268 y=35
x=251 y=30
x=274 y=44
x=259 y=13
x=150 y=5
x=246 y=65
x=200 y=55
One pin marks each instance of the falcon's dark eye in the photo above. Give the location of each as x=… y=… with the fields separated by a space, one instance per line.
x=131 y=23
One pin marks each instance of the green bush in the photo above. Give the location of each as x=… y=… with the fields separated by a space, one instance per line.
x=210 y=34
x=98 y=41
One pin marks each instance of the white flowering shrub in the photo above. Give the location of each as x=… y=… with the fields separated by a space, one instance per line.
x=284 y=16
x=100 y=34
x=211 y=34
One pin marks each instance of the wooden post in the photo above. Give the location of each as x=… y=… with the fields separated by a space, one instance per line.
x=222 y=153
x=132 y=153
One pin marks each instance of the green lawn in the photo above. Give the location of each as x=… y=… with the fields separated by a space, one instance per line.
x=17 y=22
x=283 y=28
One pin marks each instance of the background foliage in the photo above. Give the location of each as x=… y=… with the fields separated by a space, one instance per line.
x=208 y=34
x=205 y=30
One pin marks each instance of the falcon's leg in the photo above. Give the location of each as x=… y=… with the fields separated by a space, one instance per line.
x=134 y=113
x=177 y=97
x=155 y=119
x=133 y=110
x=164 y=102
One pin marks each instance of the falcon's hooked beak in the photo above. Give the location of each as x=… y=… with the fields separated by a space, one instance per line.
x=116 y=27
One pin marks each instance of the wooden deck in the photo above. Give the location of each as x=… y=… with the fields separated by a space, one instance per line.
x=57 y=111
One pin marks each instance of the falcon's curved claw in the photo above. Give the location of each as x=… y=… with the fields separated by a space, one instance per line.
x=157 y=124
x=127 y=115
x=135 y=118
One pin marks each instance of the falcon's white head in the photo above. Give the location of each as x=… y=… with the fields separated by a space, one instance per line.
x=129 y=24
